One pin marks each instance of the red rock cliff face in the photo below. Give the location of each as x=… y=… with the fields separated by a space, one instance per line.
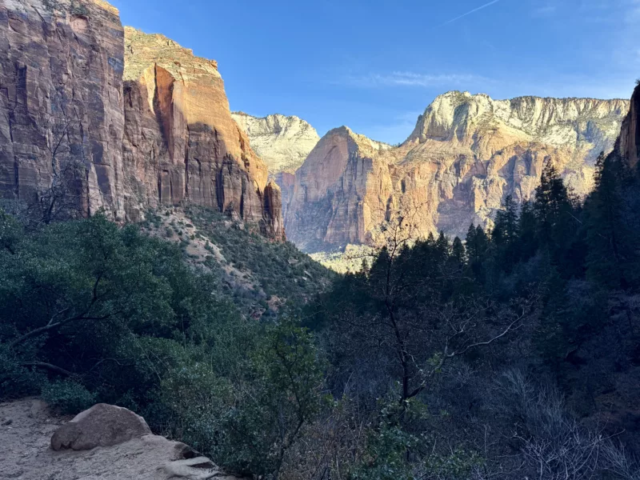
x=629 y=141
x=181 y=143
x=120 y=138
x=466 y=154
x=61 y=115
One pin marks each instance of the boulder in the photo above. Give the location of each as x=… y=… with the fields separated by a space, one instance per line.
x=100 y=426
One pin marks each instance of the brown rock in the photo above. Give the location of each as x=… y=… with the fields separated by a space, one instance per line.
x=63 y=109
x=100 y=426
x=61 y=115
x=27 y=454
x=466 y=154
x=628 y=145
x=181 y=143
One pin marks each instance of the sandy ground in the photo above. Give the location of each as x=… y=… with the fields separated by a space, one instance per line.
x=26 y=427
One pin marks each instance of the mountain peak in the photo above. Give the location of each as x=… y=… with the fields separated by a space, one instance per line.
x=283 y=142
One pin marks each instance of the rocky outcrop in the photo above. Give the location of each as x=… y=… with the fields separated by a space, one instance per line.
x=282 y=142
x=122 y=120
x=181 y=143
x=120 y=447
x=466 y=154
x=61 y=113
x=100 y=426
x=628 y=145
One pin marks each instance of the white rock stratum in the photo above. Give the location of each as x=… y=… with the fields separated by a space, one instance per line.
x=282 y=142
x=465 y=155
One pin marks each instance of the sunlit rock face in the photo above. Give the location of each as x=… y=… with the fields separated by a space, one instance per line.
x=466 y=154
x=123 y=120
x=61 y=113
x=283 y=143
x=181 y=143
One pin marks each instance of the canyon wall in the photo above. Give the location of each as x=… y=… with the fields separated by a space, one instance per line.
x=61 y=113
x=628 y=145
x=283 y=143
x=466 y=154
x=123 y=120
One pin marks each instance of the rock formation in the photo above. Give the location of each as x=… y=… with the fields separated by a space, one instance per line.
x=100 y=426
x=121 y=129
x=466 y=154
x=111 y=443
x=628 y=144
x=282 y=142
x=180 y=139
x=61 y=113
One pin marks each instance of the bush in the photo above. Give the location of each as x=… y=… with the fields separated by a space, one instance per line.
x=16 y=380
x=68 y=397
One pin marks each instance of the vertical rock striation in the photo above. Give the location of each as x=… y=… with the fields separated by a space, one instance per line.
x=122 y=120
x=628 y=145
x=61 y=115
x=181 y=142
x=283 y=143
x=466 y=154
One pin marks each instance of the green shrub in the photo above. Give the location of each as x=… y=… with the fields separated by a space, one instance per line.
x=68 y=397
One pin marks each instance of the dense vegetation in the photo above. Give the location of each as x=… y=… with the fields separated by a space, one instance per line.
x=260 y=277
x=511 y=355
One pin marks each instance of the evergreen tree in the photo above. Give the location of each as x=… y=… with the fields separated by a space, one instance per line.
x=458 y=252
x=505 y=231
x=609 y=253
x=527 y=227
x=556 y=217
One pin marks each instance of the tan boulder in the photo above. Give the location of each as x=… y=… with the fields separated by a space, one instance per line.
x=26 y=427
x=100 y=426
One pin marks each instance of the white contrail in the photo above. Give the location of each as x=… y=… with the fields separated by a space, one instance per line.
x=470 y=12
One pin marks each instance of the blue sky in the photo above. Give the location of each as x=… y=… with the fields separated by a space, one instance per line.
x=375 y=65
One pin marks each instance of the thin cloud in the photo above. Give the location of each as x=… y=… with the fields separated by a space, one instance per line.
x=470 y=12
x=545 y=11
x=412 y=79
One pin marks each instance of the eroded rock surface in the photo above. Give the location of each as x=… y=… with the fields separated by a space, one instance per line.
x=466 y=154
x=282 y=142
x=61 y=112
x=123 y=121
x=27 y=426
x=181 y=142
x=100 y=426
x=628 y=145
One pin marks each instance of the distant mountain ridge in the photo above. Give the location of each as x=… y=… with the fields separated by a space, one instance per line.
x=282 y=142
x=465 y=155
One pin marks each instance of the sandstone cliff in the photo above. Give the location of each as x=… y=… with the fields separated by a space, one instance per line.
x=628 y=144
x=181 y=142
x=466 y=154
x=120 y=129
x=61 y=112
x=283 y=143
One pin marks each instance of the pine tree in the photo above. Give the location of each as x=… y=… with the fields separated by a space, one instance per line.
x=606 y=258
x=527 y=227
x=505 y=231
x=554 y=212
x=443 y=247
x=458 y=252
